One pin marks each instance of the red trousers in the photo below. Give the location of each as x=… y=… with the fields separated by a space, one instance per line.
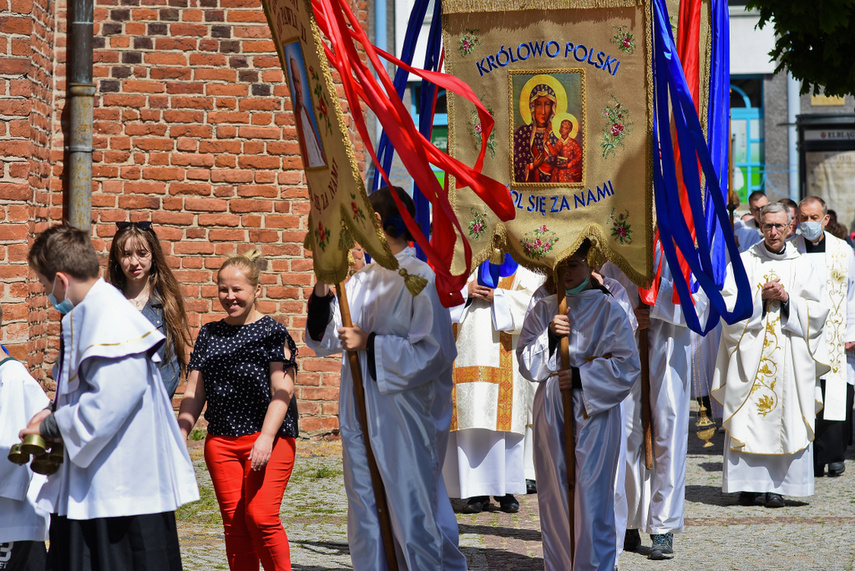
x=250 y=501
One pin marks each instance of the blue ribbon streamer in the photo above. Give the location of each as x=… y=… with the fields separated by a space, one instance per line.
x=718 y=127
x=490 y=274
x=669 y=80
x=386 y=151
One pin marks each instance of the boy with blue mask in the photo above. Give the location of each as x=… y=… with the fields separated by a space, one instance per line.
x=125 y=469
x=834 y=268
x=604 y=365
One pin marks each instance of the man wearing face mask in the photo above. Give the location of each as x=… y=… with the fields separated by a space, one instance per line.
x=766 y=371
x=834 y=267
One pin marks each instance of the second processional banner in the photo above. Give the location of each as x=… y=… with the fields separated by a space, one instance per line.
x=570 y=86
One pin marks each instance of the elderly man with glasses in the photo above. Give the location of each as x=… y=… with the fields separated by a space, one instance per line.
x=767 y=370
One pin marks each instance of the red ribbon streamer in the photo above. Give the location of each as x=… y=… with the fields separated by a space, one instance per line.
x=688 y=44
x=343 y=31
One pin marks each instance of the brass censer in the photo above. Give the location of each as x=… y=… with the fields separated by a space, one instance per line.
x=46 y=460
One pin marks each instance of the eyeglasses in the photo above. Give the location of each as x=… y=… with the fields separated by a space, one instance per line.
x=779 y=227
x=144 y=226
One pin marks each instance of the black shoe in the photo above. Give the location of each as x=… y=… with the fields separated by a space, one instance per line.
x=774 y=500
x=530 y=487
x=663 y=546
x=508 y=504
x=836 y=469
x=631 y=540
x=819 y=471
x=476 y=505
x=747 y=498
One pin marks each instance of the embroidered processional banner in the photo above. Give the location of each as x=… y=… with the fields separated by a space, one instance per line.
x=340 y=210
x=570 y=86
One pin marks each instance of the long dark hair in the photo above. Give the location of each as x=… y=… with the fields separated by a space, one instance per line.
x=160 y=280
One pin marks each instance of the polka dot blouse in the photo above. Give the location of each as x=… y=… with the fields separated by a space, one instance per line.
x=235 y=364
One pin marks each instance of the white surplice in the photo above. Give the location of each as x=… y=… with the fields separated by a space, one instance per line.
x=486 y=444
x=621 y=515
x=409 y=413
x=656 y=498
x=766 y=377
x=602 y=347
x=21 y=398
x=124 y=454
x=836 y=269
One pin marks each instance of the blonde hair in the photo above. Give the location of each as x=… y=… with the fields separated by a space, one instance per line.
x=250 y=264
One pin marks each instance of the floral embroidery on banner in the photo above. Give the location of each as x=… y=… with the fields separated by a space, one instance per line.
x=624 y=39
x=473 y=127
x=621 y=229
x=323 y=108
x=478 y=224
x=616 y=127
x=468 y=41
x=538 y=242
x=322 y=236
x=358 y=214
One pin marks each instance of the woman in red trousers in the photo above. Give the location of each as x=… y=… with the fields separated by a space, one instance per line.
x=244 y=367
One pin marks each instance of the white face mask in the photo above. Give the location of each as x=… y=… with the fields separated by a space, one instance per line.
x=811 y=230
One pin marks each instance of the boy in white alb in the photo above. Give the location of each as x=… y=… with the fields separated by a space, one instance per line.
x=126 y=468
x=604 y=366
x=406 y=351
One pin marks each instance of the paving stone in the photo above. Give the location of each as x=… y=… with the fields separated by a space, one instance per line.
x=807 y=534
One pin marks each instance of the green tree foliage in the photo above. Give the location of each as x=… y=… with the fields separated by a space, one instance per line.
x=815 y=41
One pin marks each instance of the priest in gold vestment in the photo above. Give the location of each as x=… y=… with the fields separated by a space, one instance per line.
x=485 y=454
x=767 y=371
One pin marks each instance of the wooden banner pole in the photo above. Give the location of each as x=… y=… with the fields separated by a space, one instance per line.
x=567 y=400
x=646 y=425
x=376 y=480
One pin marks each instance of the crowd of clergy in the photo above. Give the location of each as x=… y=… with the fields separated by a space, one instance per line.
x=467 y=403
x=780 y=384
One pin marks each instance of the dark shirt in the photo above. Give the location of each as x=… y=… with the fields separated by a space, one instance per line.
x=811 y=248
x=317 y=318
x=235 y=364
x=170 y=370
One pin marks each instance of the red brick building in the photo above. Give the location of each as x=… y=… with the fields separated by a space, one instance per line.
x=193 y=130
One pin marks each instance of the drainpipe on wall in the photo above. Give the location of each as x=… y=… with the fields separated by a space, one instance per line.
x=81 y=95
x=793 y=109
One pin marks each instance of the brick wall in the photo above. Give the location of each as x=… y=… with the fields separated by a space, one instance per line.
x=27 y=61
x=193 y=131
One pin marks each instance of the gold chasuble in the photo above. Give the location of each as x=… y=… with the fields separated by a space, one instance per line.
x=569 y=85
x=768 y=365
x=489 y=392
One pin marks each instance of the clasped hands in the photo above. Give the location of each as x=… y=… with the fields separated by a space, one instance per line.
x=773 y=290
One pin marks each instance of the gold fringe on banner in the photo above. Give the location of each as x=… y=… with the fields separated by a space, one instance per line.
x=467 y=6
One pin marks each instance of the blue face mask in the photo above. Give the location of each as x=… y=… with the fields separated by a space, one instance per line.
x=63 y=306
x=811 y=230
x=578 y=289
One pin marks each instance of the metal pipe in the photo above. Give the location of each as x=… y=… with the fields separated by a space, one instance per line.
x=793 y=109
x=81 y=95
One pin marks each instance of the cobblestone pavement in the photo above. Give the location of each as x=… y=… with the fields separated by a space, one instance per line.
x=815 y=534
